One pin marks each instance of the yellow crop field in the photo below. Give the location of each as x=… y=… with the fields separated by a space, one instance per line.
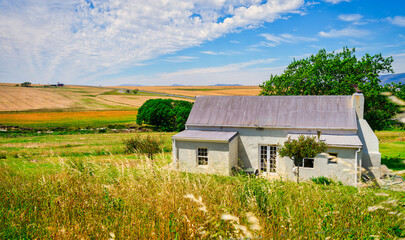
x=202 y=90
x=66 y=119
x=136 y=100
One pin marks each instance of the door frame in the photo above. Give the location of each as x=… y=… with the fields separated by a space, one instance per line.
x=268 y=152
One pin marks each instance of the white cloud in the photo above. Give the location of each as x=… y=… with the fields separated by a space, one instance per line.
x=245 y=73
x=397 y=20
x=179 y=59
x=346 y=32
x=209 y=52
x=225 y=68
x=311 y=3
x=302 y=56
x=336 y=1
x=399 y=63
x=273 y=40
x=350 y=17
x=75 y=39
x=398 y=55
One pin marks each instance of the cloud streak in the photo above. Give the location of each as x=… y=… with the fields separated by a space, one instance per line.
x=350 y=17
x=250 y=72
x=345 y=32
x=79 y=40
x=397 y=20
x=273 y=40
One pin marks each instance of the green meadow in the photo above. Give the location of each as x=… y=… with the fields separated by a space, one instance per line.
x=392 y=148
x=86 y=186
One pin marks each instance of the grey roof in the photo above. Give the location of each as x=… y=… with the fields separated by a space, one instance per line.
x=212 y=136
x=320 y=112
x=350 y=141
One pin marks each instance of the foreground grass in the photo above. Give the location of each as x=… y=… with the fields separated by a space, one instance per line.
x=138 y=200
x=86 y=186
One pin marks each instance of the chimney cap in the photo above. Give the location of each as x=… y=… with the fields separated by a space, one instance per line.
x=356 y=88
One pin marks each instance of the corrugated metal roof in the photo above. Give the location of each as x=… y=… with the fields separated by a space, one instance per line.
x=335 y=140
x=195 y=135
x=319 y=112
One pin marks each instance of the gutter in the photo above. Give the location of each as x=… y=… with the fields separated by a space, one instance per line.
x=270 y=127
x=355 y=168
x=202 y=140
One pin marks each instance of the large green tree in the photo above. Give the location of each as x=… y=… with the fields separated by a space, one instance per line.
x=164 y=114
x=335 y=74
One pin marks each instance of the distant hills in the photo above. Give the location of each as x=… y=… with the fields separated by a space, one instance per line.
x=130 y=85
x=393 y=78
x=216 y=85
x=389 y=78
x=224 y=84
x=180 y=85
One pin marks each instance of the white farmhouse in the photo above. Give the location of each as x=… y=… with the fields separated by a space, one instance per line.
x=227 y=131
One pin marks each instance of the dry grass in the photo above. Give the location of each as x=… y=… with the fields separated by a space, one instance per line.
x=128 y=199
x=203 y=90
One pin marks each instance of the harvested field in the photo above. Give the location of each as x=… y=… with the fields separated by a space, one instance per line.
x=69 y=98
x=202 y=90
x=21 y=98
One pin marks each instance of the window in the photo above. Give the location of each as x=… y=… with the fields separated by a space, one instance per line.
x=202 y=156
x=307 y=163
x=332 y=158
x=268 y=155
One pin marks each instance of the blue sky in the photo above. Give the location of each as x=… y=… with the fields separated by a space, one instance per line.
x=188 y=42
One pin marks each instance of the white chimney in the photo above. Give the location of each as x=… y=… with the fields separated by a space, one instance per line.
x=358 y=104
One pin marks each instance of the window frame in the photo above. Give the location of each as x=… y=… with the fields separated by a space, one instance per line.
x=198 y=156
x=269 y=161
x=303 y=163
x=332 y=158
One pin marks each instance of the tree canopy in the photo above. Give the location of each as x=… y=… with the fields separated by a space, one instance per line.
x=335 y=74
x=26 y=84
x=164 y=114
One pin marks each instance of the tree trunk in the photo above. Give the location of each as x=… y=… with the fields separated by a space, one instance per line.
x=298 y=174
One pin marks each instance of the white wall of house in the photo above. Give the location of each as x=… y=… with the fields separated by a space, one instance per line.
x=344 y=169
x=233 y=153
x=371 y=161
x=250 y=140
x=221 y=156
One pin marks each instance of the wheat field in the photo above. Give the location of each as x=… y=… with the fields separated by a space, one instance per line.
x=192 y=91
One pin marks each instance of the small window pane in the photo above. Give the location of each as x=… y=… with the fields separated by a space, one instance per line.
x=332 y=158
x=202 y=156
x=308 y=163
